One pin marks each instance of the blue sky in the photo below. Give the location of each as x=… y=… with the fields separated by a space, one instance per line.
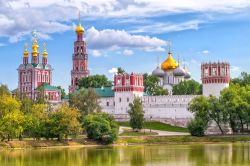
x=126 y=33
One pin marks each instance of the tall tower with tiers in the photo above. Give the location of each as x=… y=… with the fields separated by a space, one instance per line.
x=215 y=77
x=79 y=58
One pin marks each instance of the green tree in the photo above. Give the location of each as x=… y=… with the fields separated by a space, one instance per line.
x=120 y=70
x=200 y=107
x=64 y=122
x=26 y=104
x=243 y=80
x=136 y=114
x=229 y=98
x=152 y=87
x=94 y=81
x=87 y=101
x=11 y=118
x=63 y=93
x=216 y=112
x=101 y=127
x=4 y=90
x=187 y=87
x=41 y=97
x=197 y=127
x=37 y=119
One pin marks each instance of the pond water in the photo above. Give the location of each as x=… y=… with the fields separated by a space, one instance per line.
x=228 y=154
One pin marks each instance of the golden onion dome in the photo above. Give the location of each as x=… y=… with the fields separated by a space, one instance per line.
x=25 y=52
x=35 y=46
x=79 y=28
x=44 y=51
x=169 y=63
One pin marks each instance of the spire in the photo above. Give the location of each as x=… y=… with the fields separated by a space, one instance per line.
x=158 y=63
x=169 y=47
x=44 y=51
x=44 y=59
x=25 y=52
x=79 y=29
x=35 y=46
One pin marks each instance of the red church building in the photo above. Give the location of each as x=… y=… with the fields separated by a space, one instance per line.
x=34 y=74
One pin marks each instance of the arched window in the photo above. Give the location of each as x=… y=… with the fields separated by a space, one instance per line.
x=76 y=81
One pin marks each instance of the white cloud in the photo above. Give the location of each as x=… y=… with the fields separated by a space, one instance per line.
x=115 y=39
x=113 y=70
x=18 y=18
x=96 y=53
x=127 y=52
x=167 y=27
x=205 y=52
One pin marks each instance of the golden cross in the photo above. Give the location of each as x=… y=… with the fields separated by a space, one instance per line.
x=25 y=46
x=44 y=45
x=35 y=34
x=169 y=43
x=79 y=17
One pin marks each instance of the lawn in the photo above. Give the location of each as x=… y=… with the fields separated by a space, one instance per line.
x=133 y=133
x=158 y=126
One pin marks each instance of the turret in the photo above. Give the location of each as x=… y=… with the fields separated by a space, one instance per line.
x=45 y=59
x=25 y=55
x=35 y=52
x=215 y=77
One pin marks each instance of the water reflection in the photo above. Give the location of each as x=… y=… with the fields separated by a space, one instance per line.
x=237 y=154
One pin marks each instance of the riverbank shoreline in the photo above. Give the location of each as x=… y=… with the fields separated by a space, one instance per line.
x=122 y=141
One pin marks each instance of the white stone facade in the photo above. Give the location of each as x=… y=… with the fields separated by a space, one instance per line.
x=172 y=109
x=214 y=89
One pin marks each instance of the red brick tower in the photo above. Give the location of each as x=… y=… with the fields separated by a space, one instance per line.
x=80 y=59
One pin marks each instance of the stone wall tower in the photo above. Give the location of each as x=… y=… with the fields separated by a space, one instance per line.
x=79 y=58
x=126 y=88
x=215 y=77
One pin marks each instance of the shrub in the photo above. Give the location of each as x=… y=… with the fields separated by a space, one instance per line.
x=196 y=127
x=101 y=127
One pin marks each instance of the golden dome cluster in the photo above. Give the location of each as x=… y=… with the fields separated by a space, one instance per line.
x=35 y=48
x=169 y=63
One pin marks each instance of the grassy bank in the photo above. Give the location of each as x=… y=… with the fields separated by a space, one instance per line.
x=158 y=126
x=180 y=139
x=124 y=141
x=133 y=133
x=47 y=143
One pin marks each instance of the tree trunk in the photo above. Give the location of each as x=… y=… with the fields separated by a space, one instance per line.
x=218 y=124
x=242 y=125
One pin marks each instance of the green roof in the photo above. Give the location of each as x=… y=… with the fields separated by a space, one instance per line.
x=105 y=92
x=102 y=92
x=48 y=87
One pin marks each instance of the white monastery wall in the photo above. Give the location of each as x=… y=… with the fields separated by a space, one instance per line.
x=168 y=109
x=214 y=89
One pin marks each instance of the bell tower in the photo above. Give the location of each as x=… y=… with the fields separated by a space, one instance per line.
x=79 y=58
